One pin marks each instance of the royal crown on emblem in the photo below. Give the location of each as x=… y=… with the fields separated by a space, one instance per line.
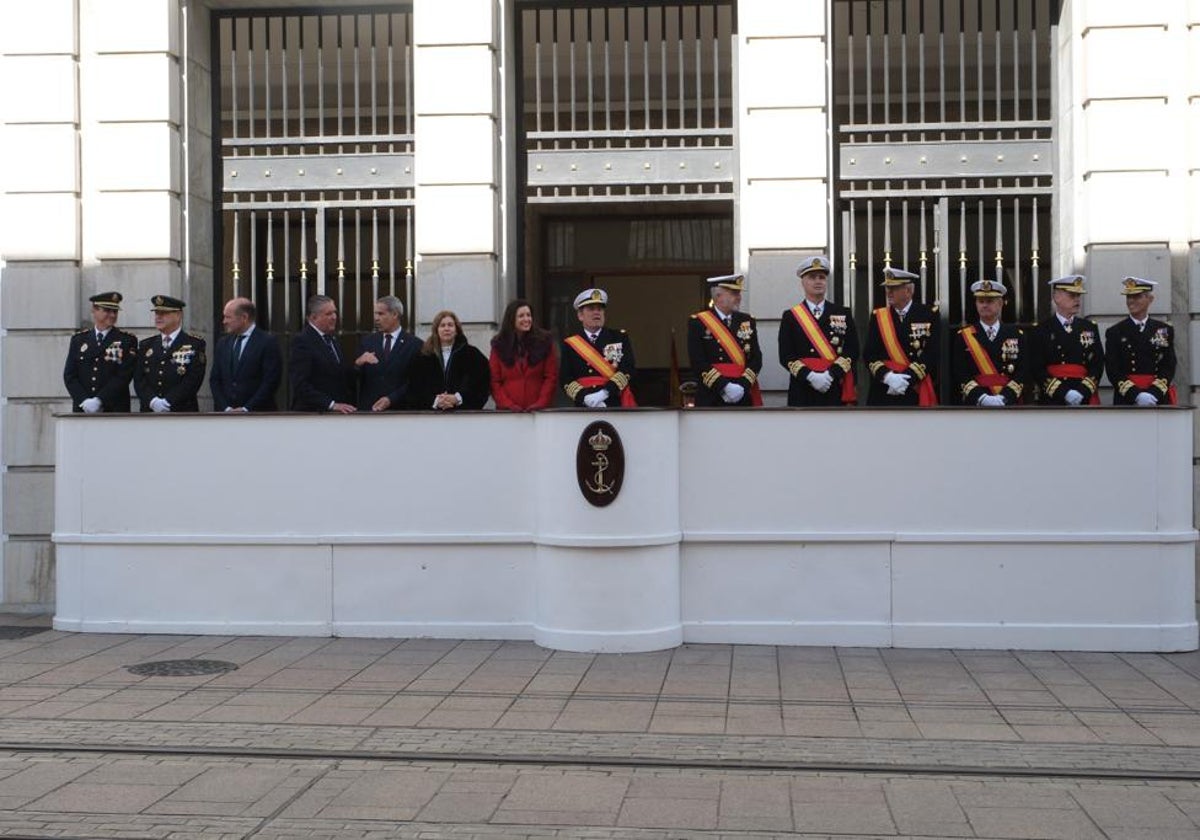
x=600 y=441
x=158 y=300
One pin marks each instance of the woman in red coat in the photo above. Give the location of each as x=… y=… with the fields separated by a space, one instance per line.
x=524 y=369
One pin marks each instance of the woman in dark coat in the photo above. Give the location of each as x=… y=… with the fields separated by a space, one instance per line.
x=448 y=373
x=524 y=368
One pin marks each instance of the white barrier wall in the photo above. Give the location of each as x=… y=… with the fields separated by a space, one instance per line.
x=1031 y=528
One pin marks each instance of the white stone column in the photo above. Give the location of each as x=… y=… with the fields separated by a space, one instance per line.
x=783 y=138
x=90 y=95
x=456 y=159
x=1129 y=145
x=39 y=275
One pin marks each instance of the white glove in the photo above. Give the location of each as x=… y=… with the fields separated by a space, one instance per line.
x=159 y=405
x=897 y=383
x=1073 y=397
x=91 y=405
x=596 y=399
x=1144 y=398
x=732 y=392
x=822 y=381
x=991 y=400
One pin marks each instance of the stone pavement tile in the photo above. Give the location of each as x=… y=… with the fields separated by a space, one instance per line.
x=1152 y=834
x=1056 y=734
x=460 y=807
x=1130 y=807
x=673 y=785
x=309 y=679
x=606 y=716
x=694 y=654
x=1001 y=794
x=339 y=709
x=687 y=724
x=384 y=793
x=230 y=788
x=967 y=731
x=1125 y=735
x=403 y=710
x=526 y=720
x=384 y=675
x=1042 y=824
x=821 y=723
x=171 y=772
x=43 y=777
x=100 y=798
x=1037 y=717
x=449 y=719
x=480 y=779
x=573 y=798
x=916 y=804
x=854 y=818
x=902 y=731
x=495 y=683
x=755 y=803
x=553 y=683
x=14 y=672
x=690 y=708
x=327 y=660
x=1174 y=737
x=882 y=713
x=668 y=813
x=754 y=719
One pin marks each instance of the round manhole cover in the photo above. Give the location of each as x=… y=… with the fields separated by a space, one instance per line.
x=181 y=668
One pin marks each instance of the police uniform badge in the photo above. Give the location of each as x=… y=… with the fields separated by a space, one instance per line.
x=83 y=347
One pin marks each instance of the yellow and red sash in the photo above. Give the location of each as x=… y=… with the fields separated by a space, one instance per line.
x=1145 y=380
x=898 y=360
x=827 y=354
x=737 y=364
x=592 y=356
x=1072 y=371
x=988 y=377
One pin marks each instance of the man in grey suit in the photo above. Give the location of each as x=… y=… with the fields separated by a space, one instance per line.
x=384 y=358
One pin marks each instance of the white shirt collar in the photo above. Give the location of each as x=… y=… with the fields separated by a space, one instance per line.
x=903 y=312
x=1062 y=320
x=247 y=333
x=172 y=336
x=813 y=307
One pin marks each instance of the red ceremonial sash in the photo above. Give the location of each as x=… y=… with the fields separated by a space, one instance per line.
x=899 y=361
x=1145 y=380
x=734 y=368
x=828 y=355
x=1068 y=371
x=592 y=356
x=988 y=376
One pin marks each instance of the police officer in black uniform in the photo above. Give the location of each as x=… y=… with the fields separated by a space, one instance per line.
x=997 y=378
x=918 y=335
x=1140 y=351
x=171 y=364
x=720 y=382
x=583 y=384
x=1067 y=356
x=101 y=360
x=815 y=379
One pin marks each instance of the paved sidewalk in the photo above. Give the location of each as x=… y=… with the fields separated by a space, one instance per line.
x=366 y=738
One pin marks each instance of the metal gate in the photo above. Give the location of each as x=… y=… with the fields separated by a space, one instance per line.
x=315 y=162
x=944 y=136
x=625 y=102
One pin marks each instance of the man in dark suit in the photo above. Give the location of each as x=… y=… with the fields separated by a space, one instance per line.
x=1067 y=356
x=597 y=362
x=818 y=343
x=989 y=359
x=101 y=360
x=247 y=363
x=322 y=378
x=902 y=345
x=384 y=358
x=723 y=347
x=1140 y=351
x=171 y=364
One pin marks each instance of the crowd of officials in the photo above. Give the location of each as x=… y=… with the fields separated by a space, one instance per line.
x=1060 y=361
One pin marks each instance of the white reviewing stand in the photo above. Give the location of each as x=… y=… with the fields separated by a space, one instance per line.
x=1026 y=528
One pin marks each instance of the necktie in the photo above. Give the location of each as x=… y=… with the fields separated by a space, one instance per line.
x=99 y=338
x=237 y=350
x=991 y=332
x=387 y=345
x=817 y=312
x=332 y=347
x=1141 y=326
x=728 y=321
x=593 y=336
x=166 y=343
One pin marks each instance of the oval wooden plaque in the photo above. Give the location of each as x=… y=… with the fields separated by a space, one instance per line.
x=600 y=463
